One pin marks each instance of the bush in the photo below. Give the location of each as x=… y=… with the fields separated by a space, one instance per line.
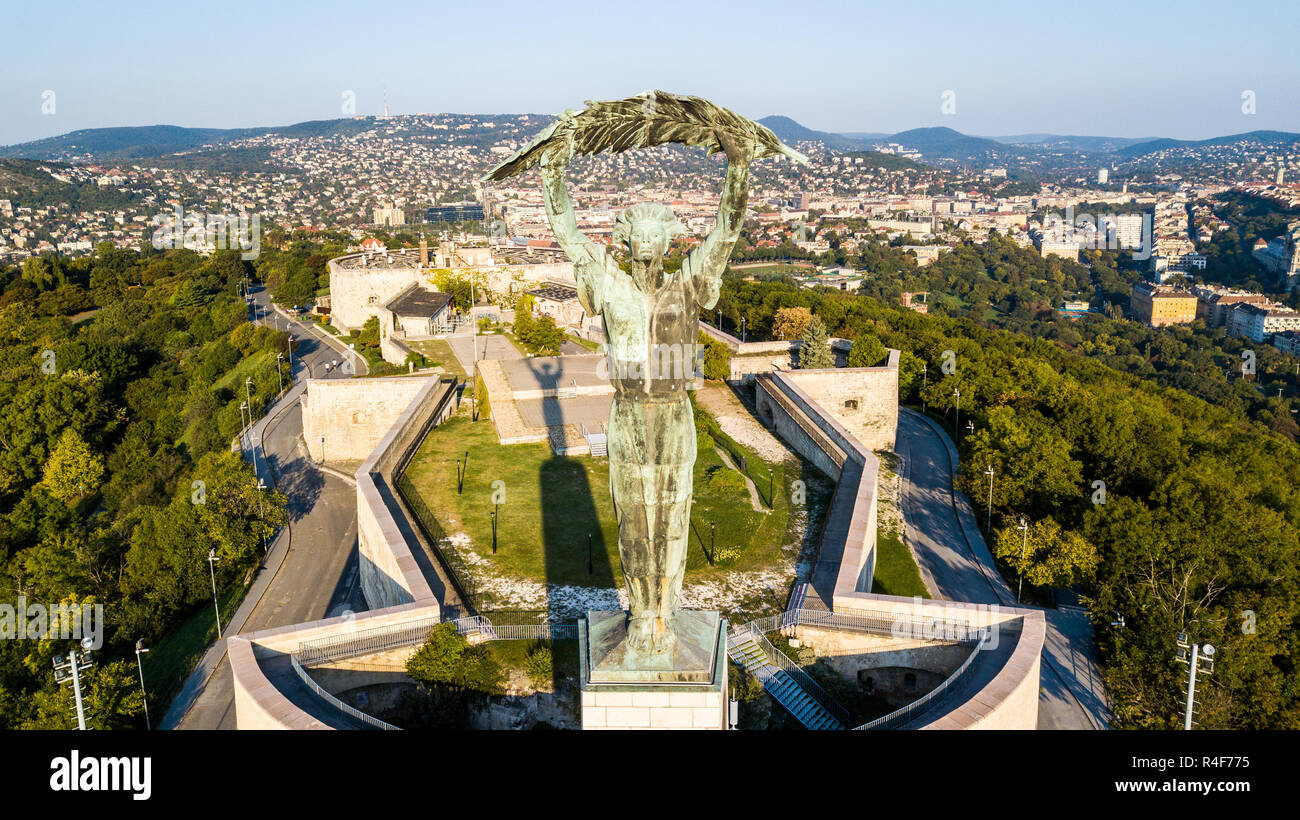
x=447 y=659
x=539 y=665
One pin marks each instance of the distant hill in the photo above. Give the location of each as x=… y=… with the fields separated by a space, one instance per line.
x=889 y=162
x=1265 y=137
x=28 y=183
x=1089 y=145
x=790 y=131
x=945 y=143
x=123 y=143
x=151 y=141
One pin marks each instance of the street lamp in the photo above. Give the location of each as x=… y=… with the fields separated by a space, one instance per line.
x=1199 y=660
x=925 y=382
x=970 y=427
x=70 y=668
x=322 y=449
x=589 y=565
x=713 y=534
x=742 y=329
x=279 y=359
x=212 y=561
x=956 y=424
x=1024 y=545
x=493 y=514
x=140 y=650
x=243 y=406
x=988 y=525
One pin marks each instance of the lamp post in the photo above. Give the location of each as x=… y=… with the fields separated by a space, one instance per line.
x=493 y=514
x=956 y=424
x=742 y=329
x=248 y=394
x=771 y=497
x=988 y=523
x=261 y=512
x=970 y=427
x=322 y=449
x=1024 y=545
x=140 y=650
x=713 y=535
x=925 y=382
x=243 y=406
x=589 y=565
x=69 y=668
x=279 y=358
x=1199 y=661
x=212 y=561
x=460 y=480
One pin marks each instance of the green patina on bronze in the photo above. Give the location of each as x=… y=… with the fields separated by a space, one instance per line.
x=650 y=320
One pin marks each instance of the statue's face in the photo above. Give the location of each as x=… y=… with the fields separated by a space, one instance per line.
x=646 y=239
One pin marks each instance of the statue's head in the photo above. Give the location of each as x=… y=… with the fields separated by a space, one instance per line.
x=646 y=229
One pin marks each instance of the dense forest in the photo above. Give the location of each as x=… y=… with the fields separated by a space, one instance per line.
x=1195 y=529
x=116 y=470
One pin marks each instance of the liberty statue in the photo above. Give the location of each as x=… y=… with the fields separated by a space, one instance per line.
x=651 y=322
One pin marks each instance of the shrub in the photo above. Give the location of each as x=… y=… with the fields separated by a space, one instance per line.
x=447 y=659
x=538 y=664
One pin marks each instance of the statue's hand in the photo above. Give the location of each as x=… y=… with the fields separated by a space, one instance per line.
x=740 y=152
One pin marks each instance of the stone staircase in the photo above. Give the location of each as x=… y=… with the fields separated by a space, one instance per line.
x=780 y=685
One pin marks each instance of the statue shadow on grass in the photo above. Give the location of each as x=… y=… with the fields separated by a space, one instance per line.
x=579 y=573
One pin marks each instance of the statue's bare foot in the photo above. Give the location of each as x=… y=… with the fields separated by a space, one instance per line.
x=651 y=635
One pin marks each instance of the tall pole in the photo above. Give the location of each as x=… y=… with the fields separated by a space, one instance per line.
x=925 y=382
x=278 y=375
x=212 y=560
x=1191 y=687
x=1024 y=546
x=139 y=649
x=956 y=425
x=988 y=522
x=76 y=690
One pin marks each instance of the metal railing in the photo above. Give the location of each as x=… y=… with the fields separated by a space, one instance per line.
x=366 y=641
x=946 y=630
x=901 y=717
x=777 y=658
x=335 y=702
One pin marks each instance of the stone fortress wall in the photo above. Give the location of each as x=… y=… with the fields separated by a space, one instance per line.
x=353 y=414
x=800 y=406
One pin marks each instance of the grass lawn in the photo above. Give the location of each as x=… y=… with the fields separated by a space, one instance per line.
x=169 y=663
x=439 y=354
x=551 y=504
x=896 y=572
x=584 y=343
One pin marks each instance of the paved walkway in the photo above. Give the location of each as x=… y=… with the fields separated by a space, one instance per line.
x=956 y=564
x=311 y=568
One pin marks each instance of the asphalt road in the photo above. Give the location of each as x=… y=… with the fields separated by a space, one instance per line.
x=955 y=568
x=311 y=570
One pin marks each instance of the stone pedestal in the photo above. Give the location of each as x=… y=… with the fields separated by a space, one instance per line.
x=685 y=688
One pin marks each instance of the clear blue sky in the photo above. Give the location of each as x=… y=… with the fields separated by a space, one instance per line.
x=1133 y=68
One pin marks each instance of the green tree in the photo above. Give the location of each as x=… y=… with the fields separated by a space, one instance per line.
x=1051 y=557
x=815 y=352
x=867 y=351
x=447 y=659
x=73 y=470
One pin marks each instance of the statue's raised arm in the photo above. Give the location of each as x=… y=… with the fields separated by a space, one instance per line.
x=707 y=262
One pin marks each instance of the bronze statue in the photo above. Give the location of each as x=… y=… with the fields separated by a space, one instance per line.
x=651 y=322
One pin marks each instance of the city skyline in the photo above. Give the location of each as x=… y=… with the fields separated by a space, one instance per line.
x=831 y=67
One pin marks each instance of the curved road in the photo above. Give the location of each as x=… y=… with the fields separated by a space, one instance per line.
x=311 y=568
x=956 y=564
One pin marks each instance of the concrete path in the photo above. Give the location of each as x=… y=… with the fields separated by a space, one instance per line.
x=956 y=564
x=311 y=568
